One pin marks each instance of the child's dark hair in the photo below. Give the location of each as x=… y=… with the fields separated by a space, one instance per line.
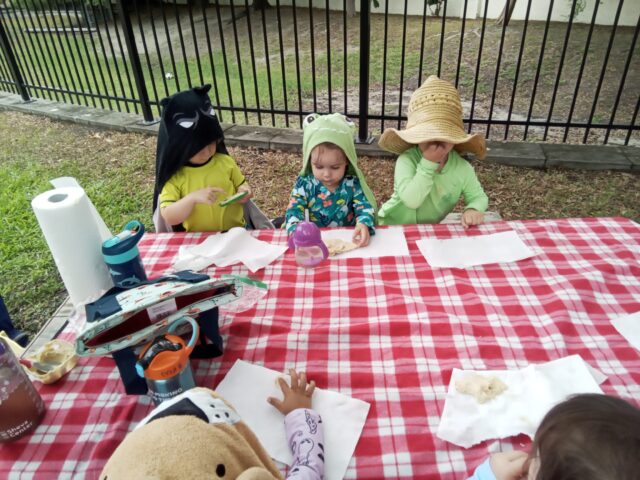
x=589 y=437
x=326 y=146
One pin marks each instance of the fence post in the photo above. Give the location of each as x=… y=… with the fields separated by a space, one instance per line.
x=13 y=64
x=136 y=66
x=365 y=27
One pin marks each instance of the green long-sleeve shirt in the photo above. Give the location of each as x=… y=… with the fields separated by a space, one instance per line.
x=420 y=195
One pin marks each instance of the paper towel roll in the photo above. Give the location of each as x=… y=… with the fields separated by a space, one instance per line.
x=74 y=236
x=62 y=182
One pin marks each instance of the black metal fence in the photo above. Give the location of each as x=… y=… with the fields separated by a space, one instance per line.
x=536 y=81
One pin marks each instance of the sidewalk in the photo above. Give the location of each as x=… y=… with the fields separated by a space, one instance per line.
x=520 y=154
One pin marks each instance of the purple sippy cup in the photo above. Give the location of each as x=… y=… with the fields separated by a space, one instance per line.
x=308 y=246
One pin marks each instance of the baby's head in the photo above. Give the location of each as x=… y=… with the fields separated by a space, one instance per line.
x=202 y=156
x=189 y=129
x=434 y=116
x=327 y=147
x=588 y=437
x=189 y=124
x=431 y=149
x=328 y=164
x=329 y=152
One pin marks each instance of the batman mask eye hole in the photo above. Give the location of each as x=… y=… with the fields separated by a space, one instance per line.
x=186 y=123
x=208 y=110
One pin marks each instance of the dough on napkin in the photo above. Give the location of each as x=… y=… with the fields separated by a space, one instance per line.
x=337 y=245
x=480 y=387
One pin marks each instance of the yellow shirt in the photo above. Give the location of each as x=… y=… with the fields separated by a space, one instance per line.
x=220 y=171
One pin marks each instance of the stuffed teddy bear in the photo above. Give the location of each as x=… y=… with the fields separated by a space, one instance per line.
x=195 y=435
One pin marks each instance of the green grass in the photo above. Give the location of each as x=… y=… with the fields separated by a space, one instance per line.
x=23 y=249
x=97 y=69
x=112 y=178
x=77 y=63
x=97 y=73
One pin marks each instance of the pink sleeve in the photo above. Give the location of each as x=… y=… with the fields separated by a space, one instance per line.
x=306 y=440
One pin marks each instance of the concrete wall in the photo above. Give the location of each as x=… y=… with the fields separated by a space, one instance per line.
x=475 y=9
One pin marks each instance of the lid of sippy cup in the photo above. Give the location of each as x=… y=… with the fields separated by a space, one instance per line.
x=306 y=234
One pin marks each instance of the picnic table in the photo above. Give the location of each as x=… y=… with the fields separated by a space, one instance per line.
x=385 y=330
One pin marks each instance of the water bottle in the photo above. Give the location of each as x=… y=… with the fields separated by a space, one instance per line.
x=21 y=407
x=308 y=246
x=123 y=258
x=164 y=363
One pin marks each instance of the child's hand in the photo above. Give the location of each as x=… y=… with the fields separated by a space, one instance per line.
x=361 y=235
x=436 y=152
x=245 y=188
x=509 y=465
x=298 y=395
x=471 y=217
x=207 y=195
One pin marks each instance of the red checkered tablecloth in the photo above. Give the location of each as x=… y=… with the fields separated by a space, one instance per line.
x=388 y=331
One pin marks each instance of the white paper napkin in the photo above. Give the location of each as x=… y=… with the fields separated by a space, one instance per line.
x=531 y=393
x=247 y=388
x=629 y=327
x=465 y=252
x=235 y=246
x=387 y=242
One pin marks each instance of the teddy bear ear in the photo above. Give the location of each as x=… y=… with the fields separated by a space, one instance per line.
x=308 y=120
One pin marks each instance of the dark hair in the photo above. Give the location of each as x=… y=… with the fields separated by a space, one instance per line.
x=330 y=146
x=589 y=437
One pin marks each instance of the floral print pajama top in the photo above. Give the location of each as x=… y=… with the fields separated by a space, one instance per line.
x=344 y=207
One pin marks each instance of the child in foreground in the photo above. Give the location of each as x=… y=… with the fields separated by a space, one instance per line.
x=587 y=437
x=331 y=187
x=430 y=175
x=199 y=435
x=194 y=171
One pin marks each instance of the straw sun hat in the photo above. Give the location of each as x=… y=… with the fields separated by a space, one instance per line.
x=434 y=114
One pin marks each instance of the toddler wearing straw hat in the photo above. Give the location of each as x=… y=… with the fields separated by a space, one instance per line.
x=430 y=175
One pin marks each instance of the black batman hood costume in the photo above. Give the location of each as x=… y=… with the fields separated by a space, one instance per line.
x=188 y=124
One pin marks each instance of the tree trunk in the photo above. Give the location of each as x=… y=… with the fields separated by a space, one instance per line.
x=351 y=8
x=507 y=11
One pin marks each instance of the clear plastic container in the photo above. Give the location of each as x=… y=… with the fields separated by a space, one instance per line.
x=306 y=241
x=21 y=407
x=309 y=256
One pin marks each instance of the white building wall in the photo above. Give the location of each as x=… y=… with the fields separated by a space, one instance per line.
x=562 y=9
x=475 y=9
